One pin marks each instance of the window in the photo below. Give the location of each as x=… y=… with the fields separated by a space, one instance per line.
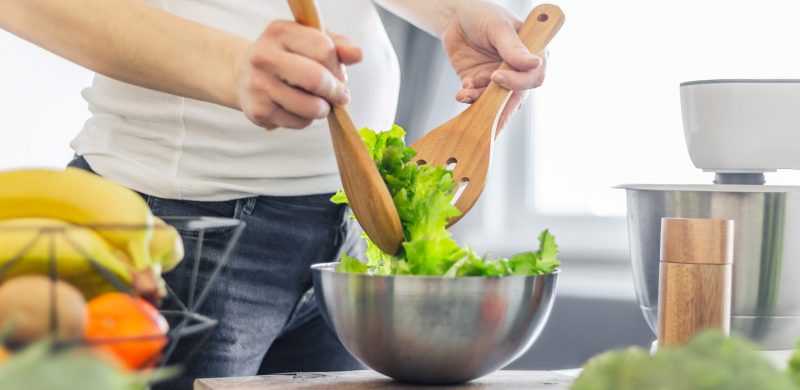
x=610 y=110
x=41 y=108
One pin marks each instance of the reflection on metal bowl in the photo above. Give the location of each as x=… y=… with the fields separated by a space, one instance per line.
x=434 y=330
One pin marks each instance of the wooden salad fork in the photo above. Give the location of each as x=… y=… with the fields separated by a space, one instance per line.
x=465 y=142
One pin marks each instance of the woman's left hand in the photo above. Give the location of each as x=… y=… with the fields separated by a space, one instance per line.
x=478 y=37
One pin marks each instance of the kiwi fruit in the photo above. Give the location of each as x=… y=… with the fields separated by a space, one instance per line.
x=27 y=305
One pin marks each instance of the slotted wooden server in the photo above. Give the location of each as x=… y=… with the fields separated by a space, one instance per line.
x=695 y=278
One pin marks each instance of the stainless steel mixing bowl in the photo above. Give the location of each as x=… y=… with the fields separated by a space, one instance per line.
x=766 y=259
x=434 y=330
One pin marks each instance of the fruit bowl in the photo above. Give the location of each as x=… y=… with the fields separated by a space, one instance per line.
x=74 y=257
x=434 y=330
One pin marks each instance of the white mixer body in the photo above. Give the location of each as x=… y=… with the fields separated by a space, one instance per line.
x=742 y=126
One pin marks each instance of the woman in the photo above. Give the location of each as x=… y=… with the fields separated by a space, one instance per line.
x=183 y=94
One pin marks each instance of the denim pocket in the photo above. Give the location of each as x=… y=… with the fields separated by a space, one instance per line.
x=320 y=203
x=189 y=208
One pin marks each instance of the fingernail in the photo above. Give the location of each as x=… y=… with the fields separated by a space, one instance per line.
x=344 y=72
x=343 y=98
x=499 y=78
x=323 y=111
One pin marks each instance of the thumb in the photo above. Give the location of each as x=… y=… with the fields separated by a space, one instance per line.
x=346 y=49
x=512 y=51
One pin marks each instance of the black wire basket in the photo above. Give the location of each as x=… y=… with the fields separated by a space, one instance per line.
x=182 y=312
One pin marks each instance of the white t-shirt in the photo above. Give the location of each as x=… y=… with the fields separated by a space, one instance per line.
x=179 y=148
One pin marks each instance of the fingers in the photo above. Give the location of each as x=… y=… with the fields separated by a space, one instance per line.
x=518 y=81
x=346 y=49
x=521 y=80
x=269 y=115
x=307 y=42
x=472 y=87
x=468 y=95
x=304 y=73
x=284 y=119
x=296 y=101
x=293 y=74
x=526 y=69
x=347 y=52
x=503 y=36
x=293 y=109
x=329 y=49
x=276 y=102
x=478 y=81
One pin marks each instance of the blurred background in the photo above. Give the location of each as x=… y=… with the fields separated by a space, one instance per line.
x=608 y=114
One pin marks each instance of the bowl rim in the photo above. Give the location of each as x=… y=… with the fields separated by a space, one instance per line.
x=740 y=81
x=724 y=188
x=331 y=267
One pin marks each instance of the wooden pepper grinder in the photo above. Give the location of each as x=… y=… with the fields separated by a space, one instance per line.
x=695 y=278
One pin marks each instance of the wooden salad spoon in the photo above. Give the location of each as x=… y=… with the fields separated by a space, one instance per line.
x=366 y=192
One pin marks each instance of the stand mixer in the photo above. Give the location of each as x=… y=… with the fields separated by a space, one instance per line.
x=738 y=129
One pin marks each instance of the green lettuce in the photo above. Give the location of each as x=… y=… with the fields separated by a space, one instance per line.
x=794 y=366
x=43 y=366
x=710 y=361
x=423 y=196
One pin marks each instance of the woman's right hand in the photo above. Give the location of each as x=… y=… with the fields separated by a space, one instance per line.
x=291 y=74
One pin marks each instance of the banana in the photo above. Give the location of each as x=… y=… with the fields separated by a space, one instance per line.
x=116 y=213
x=166 y=246
x=26 y=245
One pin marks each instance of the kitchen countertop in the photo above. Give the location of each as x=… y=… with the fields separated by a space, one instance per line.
x=365 y=379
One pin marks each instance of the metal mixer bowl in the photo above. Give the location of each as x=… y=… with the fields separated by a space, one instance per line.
x=434 y=330
x=766 y=259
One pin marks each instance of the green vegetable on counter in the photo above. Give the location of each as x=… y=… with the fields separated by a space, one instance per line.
x=710 y=361
x=41 y=366
x=423 y=196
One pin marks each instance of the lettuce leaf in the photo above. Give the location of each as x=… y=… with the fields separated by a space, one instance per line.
x=540 y=262
x=423 y=196
x=351 y=264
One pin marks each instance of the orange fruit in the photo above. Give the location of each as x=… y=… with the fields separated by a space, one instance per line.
x=127 y=327
x=4 y=355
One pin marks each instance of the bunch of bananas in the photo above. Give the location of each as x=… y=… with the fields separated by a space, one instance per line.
x=97 y=235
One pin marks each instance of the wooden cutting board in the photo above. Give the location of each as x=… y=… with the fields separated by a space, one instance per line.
x=371 y=380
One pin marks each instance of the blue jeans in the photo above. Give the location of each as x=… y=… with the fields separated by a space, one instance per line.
x=268 y=318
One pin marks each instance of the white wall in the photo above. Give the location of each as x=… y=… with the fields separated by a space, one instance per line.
x=41 y=109
x=609 y=112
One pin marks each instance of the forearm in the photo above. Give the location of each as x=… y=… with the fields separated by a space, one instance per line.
x=429 y=15
x=133 y=42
